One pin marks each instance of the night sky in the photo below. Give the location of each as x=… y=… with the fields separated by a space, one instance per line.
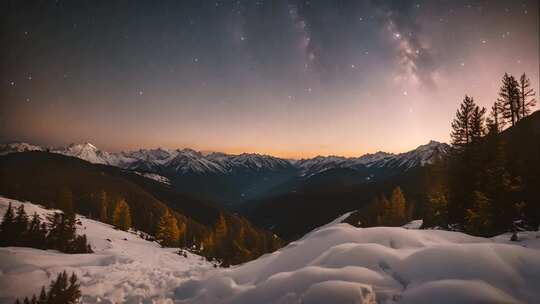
x=287 y=78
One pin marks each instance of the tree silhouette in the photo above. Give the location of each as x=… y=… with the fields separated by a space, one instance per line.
x=168 y=233
x=122 y=215
x=526 y=96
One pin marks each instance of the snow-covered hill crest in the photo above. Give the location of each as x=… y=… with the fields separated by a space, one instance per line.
x=336 y=263
x=343 y=264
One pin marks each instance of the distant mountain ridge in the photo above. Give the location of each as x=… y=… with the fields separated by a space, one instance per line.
x=188 y=161
x=233 y=179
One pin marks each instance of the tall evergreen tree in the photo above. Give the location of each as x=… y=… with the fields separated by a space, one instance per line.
x=477 y=123
x=36 y=234
x=7 y=227
x=42 y=299
x=168 y=233
x=494 y=123
x=509 y=99
x=122 y=215
x=384 y=218
x=398 y=206
x=526 y=96
x=221 y=228
x=20 y=225
x=461 y=126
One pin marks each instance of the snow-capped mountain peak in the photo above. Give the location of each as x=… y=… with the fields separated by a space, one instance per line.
x=18 y=147
x=185 y=161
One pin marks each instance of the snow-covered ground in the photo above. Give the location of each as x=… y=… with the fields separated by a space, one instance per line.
x=335 y=263
x=124 y=268
x=342 y=264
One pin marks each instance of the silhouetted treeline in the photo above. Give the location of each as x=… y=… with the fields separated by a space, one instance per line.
x=63 y=290
x=57 y=232
x=490 y=181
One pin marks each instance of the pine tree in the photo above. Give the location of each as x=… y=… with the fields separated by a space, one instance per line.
x=103 y=206
x=494 y=123
x=461 y=126
x=385 y=211
x=509 y=99
x=42 y=299
x=168 y=233
x=526 y=96
x=221 y=229
x=36 y=236
x=20 y=226
x=73 y=292
x=398 y=206
x=477 y=123
x=122 y=215
x=480 y=217
x=7 y=227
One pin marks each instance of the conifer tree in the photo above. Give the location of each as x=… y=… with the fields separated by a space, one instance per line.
x=398 y=206
x=20 y=226
x=7 y=227
x=526 y=96
x=122 y=215
x=36 y=235
x=494 y=122
x=477 y=123
x=461 y=126
x=42 y=299
x=385 y=211
x=221 y=228
x=168 y=233
x=509 y=99
x=480 y=217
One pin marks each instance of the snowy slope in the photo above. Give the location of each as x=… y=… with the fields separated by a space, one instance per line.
x=336 y=263
x=343 y=264
x=125 y=269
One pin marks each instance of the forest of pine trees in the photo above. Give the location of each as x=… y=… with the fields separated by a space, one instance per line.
x=57 y=232
x=481 y=190
x=63 y=290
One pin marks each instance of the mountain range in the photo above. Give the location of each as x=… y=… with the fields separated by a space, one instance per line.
x=232 y=179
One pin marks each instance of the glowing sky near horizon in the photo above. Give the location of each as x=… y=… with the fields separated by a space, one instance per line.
x=287 y=78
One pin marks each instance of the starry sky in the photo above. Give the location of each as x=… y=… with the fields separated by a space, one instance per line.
x=287 y=78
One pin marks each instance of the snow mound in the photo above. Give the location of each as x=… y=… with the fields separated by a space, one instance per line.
x=124 y=268
x=342 y=264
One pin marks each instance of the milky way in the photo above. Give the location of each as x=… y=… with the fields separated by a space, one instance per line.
x=290 y=78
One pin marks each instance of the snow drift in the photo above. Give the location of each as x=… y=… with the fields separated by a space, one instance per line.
x=343 y=264
x=124 y=268
x=336 y=263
